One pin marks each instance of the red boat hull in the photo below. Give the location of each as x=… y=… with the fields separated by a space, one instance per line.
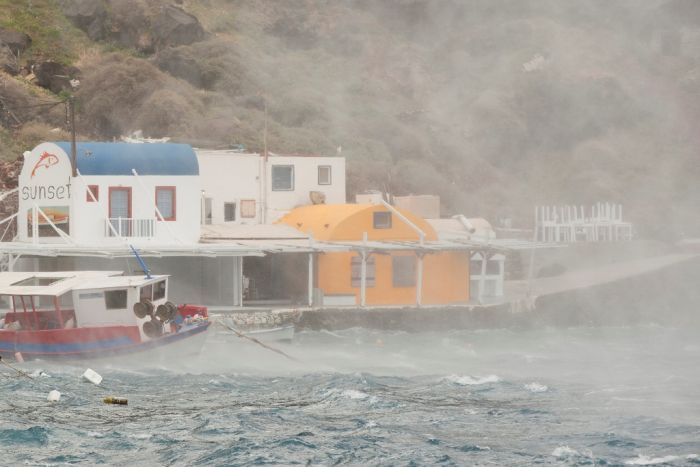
x=95 y=342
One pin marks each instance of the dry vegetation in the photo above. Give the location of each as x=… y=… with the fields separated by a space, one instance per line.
x=495 y=105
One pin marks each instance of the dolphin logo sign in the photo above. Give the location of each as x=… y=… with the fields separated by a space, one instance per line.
x=46 y=160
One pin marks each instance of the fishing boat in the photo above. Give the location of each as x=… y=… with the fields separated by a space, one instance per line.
x=94 y=314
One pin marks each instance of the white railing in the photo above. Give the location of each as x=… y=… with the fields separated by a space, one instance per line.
x=126 y=227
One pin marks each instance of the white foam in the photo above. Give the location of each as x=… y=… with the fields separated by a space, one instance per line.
x=471 y=380
x=354 y=394
x=641 y=459
x=564 y=451
x=536 y=387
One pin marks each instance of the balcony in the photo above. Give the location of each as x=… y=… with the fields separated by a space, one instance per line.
x=130 y=228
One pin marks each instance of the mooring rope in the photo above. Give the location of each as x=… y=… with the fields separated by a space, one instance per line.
x=253 y=339
x=16 y=369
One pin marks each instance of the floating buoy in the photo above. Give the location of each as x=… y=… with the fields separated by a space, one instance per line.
x=54 y=396
x=115 y=400
x=18 y=357
x=92 y=376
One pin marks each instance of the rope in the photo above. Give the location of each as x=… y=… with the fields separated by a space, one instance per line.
x=16 y=369
x=252 y=339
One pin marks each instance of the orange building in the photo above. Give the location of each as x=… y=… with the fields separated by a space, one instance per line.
x=395 y=257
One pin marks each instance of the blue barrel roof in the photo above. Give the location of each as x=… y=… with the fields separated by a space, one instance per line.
x=146 y=158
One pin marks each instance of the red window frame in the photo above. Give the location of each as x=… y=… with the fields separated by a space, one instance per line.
x=95 y=189
x=173 y=191
x=118 y=188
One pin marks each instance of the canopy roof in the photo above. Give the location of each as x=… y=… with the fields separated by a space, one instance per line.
x=95 y=158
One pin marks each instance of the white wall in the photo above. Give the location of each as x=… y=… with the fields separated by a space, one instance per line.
x=47 y=182
x=90 y=217
x=305 y=181
x=229 y=176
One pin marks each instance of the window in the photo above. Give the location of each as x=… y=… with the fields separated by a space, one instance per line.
x=159 y=290
x=356 y=266
x=59 y=216
x=207 y=211
x=36 y=281
x=493 y=267
x=382 y=220
x=324 y=174
x=282 y=177
x=146 y=292
x=95 y=196
x=247 y=208
x=229 y=212
x=115 y=299
x=119 y=202
x=403 y=271
x=119 y=211
x=165 y=200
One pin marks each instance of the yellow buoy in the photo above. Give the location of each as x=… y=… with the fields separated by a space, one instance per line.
x=115 y=400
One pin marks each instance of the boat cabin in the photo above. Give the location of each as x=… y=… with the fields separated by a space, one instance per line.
x=83 y=299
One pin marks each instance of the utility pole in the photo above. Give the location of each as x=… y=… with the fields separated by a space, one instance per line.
x=264 y=176
x=73 y=149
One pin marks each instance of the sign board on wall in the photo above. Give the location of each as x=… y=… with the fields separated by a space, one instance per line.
x=45 y=183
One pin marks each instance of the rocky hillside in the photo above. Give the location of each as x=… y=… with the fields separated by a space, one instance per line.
x=495 y=105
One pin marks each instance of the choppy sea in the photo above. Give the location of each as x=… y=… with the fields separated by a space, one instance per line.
x=580 y=396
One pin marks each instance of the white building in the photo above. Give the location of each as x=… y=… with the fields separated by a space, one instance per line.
x=242 y=188
x=487 y=267
x=143 y=193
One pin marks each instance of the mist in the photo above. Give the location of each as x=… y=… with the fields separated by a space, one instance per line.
x=494 y=106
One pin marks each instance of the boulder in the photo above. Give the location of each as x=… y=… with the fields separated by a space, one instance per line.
x=8 y=61
x=16 y=41
x=55 y=76
x=173 y=26
x=88 y=15
x=180 y=62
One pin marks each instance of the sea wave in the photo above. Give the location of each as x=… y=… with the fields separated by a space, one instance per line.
x=471 y=380
x=641 y=459
x=536 y=387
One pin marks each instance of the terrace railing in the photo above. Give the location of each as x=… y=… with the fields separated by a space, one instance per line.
x=128 y=227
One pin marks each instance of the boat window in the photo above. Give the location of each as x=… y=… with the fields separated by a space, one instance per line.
x=146 y=292
x=159 y=290
x=35 y=281
x=115 y=299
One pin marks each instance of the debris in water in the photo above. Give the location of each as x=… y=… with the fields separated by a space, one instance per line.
x=115 y=400
x=92 y=376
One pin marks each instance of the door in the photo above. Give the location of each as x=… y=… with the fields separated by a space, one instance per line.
x=207 y=211
x=120 y=210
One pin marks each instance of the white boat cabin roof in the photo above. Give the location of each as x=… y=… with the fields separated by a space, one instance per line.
x=113 y=282
x=57 y=283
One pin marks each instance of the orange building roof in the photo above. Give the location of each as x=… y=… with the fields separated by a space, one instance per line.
x=349 y=221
